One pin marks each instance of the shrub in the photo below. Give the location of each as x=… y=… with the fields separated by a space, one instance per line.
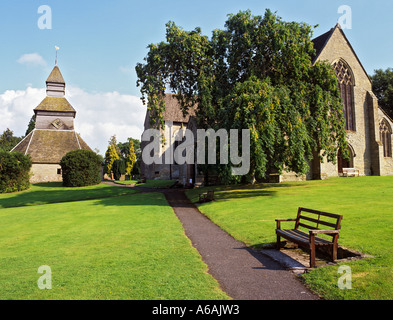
x=81 y=168
x=14 y=172
x=118 y=169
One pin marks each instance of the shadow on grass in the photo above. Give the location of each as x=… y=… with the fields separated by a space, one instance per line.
x=245 y=194
x=47 y=193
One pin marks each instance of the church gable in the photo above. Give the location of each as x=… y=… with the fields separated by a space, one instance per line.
x=334 y=46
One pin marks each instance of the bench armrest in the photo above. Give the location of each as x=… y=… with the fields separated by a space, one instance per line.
x=278 y=221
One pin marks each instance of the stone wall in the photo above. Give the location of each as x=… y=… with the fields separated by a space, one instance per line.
x=359 y=140
x=166 y=171
x=45 y=173
x=386 y=163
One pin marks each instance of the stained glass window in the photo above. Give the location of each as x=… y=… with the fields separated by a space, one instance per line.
x=346 y=83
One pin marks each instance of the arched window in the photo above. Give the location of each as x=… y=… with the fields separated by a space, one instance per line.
x=346 y=83
x=385 y=132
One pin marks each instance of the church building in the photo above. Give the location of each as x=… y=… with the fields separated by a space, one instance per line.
x=368 y=127
x=54 y=134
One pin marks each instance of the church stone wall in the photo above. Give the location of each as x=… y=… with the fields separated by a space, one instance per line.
x=363 y=139
x=339 y=48
x=386 y=163
x=45 y=173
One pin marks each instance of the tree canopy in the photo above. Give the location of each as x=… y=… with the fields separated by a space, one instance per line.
x=383 y=89
x=129 y=153
x=8 y=141
x=256 y=74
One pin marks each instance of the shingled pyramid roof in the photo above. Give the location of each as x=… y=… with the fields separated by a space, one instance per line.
x=55 y=76
x=58 y=104
x=50 y=146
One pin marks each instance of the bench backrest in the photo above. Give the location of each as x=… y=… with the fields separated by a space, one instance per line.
x=317 y=220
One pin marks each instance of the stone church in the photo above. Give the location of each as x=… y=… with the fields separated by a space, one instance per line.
x=54 y=134
x=369 y=129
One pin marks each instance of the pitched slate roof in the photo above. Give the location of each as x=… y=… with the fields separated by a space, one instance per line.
x=320 y=43
x=173 y=111
x=50 y=146
x=56 y=76
x=59 y=104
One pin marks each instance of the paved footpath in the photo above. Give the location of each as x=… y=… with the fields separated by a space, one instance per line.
x=242 y=273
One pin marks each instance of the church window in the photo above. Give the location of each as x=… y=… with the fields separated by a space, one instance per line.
x=385 y=132
x=346 y=84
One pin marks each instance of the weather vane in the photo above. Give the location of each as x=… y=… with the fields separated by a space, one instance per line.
x=57 y=49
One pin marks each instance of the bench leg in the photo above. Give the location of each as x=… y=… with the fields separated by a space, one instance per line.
x=334 y=250
x=278 y=243
x=312 y=251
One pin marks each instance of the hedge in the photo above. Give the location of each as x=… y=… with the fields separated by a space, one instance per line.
x=14 y=172
x=81 y=168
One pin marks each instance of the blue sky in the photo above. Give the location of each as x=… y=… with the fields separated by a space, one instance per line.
x=101 y=42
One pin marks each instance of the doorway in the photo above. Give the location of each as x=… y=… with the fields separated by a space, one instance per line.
x=343 y=162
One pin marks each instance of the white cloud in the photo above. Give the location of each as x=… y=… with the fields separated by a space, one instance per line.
x=99 y=115
x=126 y=69
x=32 y=59
x=16 y=108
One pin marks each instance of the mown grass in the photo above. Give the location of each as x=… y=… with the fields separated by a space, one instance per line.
x=44 y=193
x=248 y=213
x=126 y=182
x=157 y=183
x=113 y=247
x=150 y=183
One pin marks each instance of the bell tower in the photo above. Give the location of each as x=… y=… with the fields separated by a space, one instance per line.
x=55 y=84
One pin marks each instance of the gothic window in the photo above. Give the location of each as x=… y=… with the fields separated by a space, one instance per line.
x=346 y=84
x=385 y=132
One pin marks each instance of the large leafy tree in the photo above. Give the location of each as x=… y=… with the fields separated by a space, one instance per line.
x=8 y=141
x=383 y=88
x=256 y=74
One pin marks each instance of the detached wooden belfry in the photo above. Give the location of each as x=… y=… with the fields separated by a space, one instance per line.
x=54 y=134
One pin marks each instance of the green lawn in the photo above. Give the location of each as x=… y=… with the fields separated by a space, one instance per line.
x=157 y=183
x=248 y=213
x=113 y=247
x=126 y=182
x=150 y=183
x=45 y=193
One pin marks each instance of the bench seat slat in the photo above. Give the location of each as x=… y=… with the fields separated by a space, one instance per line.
x=301 y=237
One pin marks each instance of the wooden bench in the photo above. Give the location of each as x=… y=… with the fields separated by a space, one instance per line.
x=142 y=180
x=206 y=197
x=350 y=172
x=312 y=220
